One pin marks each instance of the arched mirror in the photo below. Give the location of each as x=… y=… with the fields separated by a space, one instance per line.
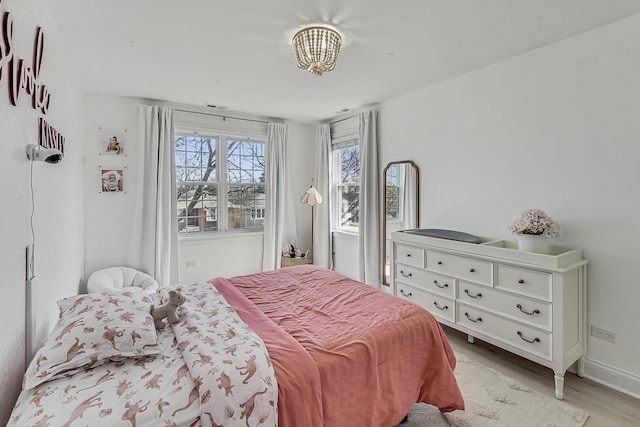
x=401 y=205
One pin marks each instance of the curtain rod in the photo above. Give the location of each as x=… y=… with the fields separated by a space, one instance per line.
x=221 y=115
x=343 y=119
x=356 y=113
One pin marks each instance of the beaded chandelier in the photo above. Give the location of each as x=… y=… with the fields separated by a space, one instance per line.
x=317 y=48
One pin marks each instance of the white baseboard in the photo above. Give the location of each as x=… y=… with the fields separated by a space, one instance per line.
x=611 y=377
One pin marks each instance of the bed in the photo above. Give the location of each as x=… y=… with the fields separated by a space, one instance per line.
x=296 y=347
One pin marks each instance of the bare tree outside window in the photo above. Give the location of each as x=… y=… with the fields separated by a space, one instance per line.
x=196 y=182
x=349 y=186
x=199 y=174
x=246 y=189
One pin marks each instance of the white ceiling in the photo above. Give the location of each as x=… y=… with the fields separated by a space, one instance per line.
x=238 y=54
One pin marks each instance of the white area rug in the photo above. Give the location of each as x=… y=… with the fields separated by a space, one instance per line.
x=493 y=399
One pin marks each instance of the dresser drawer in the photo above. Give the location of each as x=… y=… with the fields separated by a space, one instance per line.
x=439 y=306
x=523 y=281
x=461 y=267
x=533 y=312
x=410 y=255
x=436 y=283
x=526 y=338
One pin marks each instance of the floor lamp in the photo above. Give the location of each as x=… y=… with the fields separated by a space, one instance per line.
x=311 y=198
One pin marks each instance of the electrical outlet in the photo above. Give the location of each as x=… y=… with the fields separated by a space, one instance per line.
x=603 y=334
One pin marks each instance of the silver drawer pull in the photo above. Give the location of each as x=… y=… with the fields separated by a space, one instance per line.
x=435 y=282
x=529 y=341
x=446 y=307
x=478 y=295
x=479 y=319
x=536 y=311
x=405 y=294
x=405 y=275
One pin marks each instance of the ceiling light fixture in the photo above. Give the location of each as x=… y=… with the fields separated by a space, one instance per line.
x=317 y=48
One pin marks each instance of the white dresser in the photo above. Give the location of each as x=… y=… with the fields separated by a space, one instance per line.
x=530 y=304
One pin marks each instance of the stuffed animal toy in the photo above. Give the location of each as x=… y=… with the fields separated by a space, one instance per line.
x=169 y=310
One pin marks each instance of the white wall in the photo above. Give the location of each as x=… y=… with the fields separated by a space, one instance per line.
x=107 y=216
x=57 y=189
x=107 y=219
x=301 y=160
x=225 y=255
x=345 y=246
x=558 y=129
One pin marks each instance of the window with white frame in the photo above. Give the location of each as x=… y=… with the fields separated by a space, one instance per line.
x=257 y=213
x=346 y=178
x=212 y=214
x=220 y=183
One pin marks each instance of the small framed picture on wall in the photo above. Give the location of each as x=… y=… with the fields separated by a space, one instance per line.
x=112 y=142
x=111 y=180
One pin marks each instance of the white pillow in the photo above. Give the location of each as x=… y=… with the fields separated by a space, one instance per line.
x=94 y=329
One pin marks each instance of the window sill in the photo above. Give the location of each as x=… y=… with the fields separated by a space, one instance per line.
x=345 y=232
x=220 y=236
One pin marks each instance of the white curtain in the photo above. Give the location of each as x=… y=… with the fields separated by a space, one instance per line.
x=369 y=236
x=322 y=249
x=154 y=244
x=279 y=206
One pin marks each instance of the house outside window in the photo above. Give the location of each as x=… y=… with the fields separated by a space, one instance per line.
x=215 y=171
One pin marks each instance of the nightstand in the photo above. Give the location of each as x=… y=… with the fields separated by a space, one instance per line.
x=290 y=262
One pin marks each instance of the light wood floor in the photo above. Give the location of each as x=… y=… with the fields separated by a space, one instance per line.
x=606 y=407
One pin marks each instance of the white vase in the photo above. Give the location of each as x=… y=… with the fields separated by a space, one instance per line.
x=533 y=243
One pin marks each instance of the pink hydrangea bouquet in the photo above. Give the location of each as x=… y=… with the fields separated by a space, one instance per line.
x=534 y=221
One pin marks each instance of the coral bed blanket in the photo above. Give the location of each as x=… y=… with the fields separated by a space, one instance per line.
x=375 y=355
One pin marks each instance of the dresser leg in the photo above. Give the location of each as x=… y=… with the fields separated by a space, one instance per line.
x=469 y=339
x=559 y=379
x=581 y=367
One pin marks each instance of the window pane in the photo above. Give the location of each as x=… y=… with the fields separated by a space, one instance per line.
x=245 y=161
x=197 y=208
x=195 y=158
x=192 y=174
x=194 y=144
x=196 y=184
x=350 y=165
x=392 y=202
x=181 y=158
x=349 y=205
x=243 y=201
